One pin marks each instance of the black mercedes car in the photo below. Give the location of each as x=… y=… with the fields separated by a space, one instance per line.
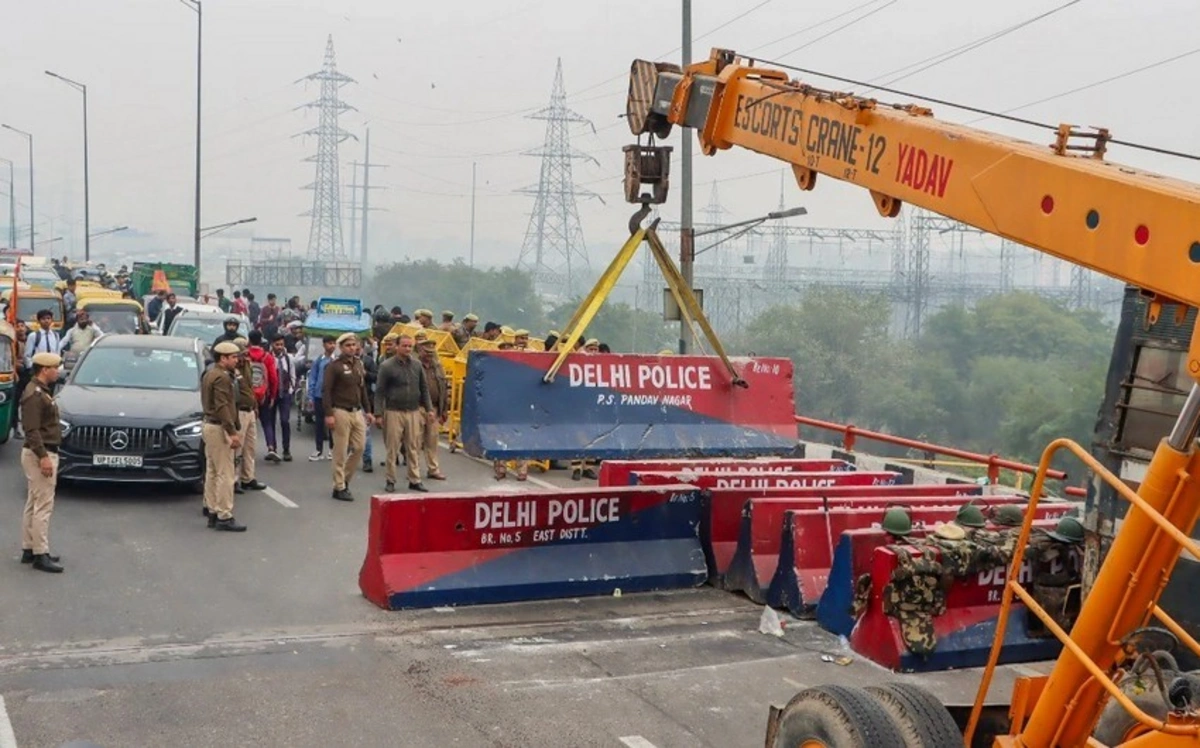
x=131 y=413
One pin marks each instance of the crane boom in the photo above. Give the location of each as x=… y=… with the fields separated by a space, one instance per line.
x=1064 y=200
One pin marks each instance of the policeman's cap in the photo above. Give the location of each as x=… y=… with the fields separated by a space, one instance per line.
x=949 y=531
x=506 y=331
x=554 y=334
x=471 y=318
x=347 y=337
x=241 y=342
x=225 y=348
x=447 y=314
x=48 y=360
x=390 y=336
x=422 y=313
x=420 y=336
x=591 y=342
x=522 y=333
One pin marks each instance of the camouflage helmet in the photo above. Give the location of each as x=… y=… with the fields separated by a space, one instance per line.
x=970 y=515
x=1068 y=530
x=1009 y=515
x=897 y=522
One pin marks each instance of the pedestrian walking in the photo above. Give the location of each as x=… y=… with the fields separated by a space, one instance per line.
x=252 y=379
x=280 y=409
x=344 y=391
x=316 y=396
x=221 y=433
x=402 y=404
x=42 y=339
x=39 y=460
x=439 y=396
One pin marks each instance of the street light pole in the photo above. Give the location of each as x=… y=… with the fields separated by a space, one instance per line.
x=87 y=214
x=12 y=207
x=28 y=136
x=687 y=239
x=195 y=6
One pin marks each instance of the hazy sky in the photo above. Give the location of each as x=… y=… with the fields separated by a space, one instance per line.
x=443 y=84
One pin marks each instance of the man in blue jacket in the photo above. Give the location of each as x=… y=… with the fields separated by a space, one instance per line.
x=316 y=375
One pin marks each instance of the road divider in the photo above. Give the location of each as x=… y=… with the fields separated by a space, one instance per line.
x=469 y=548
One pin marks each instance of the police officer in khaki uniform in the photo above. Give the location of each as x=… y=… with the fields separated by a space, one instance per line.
x=447 y=322
x=424 y=318
x=247 y=405
x=464 y=332
x=39 y=460
x=439 y=396
x=348 y=409
x=222 y=436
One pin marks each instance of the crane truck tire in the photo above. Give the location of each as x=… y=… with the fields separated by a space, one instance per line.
x=1117 y=726
x=920 y=716
x=833 y=717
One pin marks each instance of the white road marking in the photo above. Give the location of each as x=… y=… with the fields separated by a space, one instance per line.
x=280 y=498
x=636 y=741
x=794 y=684
x=8 y=739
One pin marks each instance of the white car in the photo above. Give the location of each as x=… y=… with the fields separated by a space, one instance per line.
x=202 y=321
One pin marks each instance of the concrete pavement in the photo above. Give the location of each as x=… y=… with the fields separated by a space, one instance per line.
x=164 y=633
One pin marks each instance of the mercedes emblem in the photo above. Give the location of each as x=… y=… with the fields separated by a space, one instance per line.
x=118 y=440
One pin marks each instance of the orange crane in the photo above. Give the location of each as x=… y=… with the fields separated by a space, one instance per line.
x=1063 y=199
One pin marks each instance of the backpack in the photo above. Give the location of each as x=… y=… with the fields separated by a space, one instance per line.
x=259 y=380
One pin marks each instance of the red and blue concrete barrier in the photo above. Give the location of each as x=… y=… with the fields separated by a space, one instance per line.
x=608 y=406
x=722 y=504
x=807 y=542
x=852 y=559
x=793 y=538
x=466 y=548
x=964 y=632
x=620 y=472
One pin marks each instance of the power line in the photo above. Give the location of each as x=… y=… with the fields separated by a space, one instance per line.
x=950 y=54
x=844 y=26
x=1110 y=79
x=814 y=26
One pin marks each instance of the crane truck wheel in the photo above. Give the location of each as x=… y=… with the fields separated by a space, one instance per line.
x=920 y=716
x=832 y=717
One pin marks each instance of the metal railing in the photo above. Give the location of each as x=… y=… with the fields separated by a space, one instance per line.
x=994 y=463
x=1013 y=588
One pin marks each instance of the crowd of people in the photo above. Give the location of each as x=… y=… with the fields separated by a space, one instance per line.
x=351 y=384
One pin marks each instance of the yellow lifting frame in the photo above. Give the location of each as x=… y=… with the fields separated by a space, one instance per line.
x=689 y=307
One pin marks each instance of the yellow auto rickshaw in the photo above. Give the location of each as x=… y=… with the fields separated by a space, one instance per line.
x=32 y=300
x=114 y=314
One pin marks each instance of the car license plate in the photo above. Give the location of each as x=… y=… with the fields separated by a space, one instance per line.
x=117 y=460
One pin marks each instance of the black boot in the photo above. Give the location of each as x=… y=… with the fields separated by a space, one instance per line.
x=368 y=467
x=204 y=511
x=212 y=520
x=228 y=525
x=237 y=487
x=343 y=494
x=27 y=556
x=390 y=486
x=253 y=485
x=419 y=487
x=42 y=562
